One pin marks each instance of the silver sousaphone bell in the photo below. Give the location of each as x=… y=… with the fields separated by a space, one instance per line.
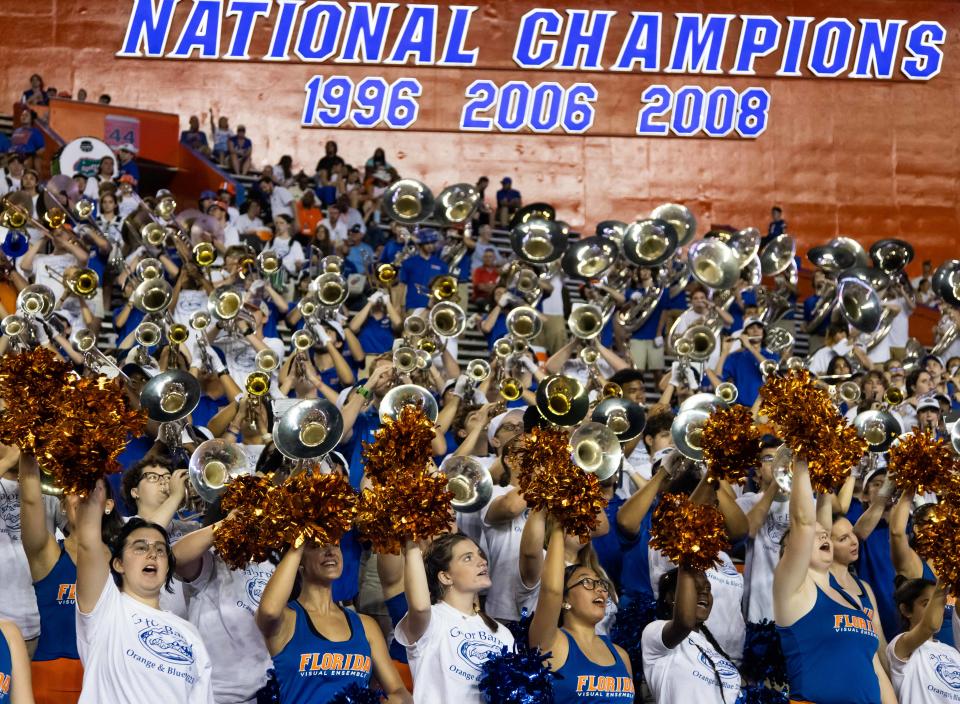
x=586 y=321
x=170 y=396
x=589 y=258
x=538 y=241
x=704 y=401
x=714 y=264
x=213 y=464
x=308 y=430
x=680 y=217
x=456 y=204
x=649 y=243
x=469 y=482
x=596 y=449
x=878 y=428
x=777 y=256
x=860 y=304
x=407 y=395
x=625 y=418
x=891 y=256
x=687 y=429
x=407 y=201
x=946 y=282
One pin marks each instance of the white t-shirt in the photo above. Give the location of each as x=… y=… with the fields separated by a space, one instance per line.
x=338 y=232
x=726 y=617
x=134 y=653
x=18 y=602
x=290 y=252
x=281 y=202
x=446 y=661
x=502 y=545
x=245 y=224
x=553 y=304
x=241 y=356
x=930 y=676
x=818 y=362
x=221 y=603
x=900 y=327
x=763 y=555
x=683 y=674
x=189 y=302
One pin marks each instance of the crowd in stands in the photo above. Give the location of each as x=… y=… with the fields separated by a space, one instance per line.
x=119 y=596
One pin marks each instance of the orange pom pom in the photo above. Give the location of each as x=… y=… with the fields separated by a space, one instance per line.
x=400 y=445
x=689 y=534
x=920 y=463
x=731 y=443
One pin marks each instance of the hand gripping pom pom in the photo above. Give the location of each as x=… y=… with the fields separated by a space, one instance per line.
x=688 y=534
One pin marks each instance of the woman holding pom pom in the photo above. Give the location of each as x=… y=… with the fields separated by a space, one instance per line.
x=923 y=670
x=590 y=667
x=681 y=660
x=829 y=645
x=318 y=647
x=130 y=649
x=57 y=672
x=448 y=638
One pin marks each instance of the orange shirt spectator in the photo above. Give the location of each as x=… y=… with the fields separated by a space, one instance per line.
x=309 y=215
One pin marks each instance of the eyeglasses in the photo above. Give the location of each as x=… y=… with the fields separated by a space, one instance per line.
x=511 y=427
x=155 y=478
x=766 y=458
x=591 y=584
x=141 y=548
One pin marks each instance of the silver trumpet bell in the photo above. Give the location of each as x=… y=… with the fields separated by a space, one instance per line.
x=687 y=430
x=152 y=295
x=308 y=430
x=213 y=464
x=170 y=396
x=777 y=255
x=447 y=319
x=860 y=304
x=878 y=428
x=728 y=392
x=478 y=370
x=407 y=201
x=405 y=360
x=14 y=325
x=147 y=334
x=586 y=322
x=596 y=450
x=714 y=264
x=414 y=326
x=224 y=304
x=331 y=289
x=524 y=322
x=625 y=418
x=680 y=217
x=562 y=400
x=589 y=258
x=697 y=343
x=469 y=482
x=149 y=268
x=848 y=392
x=456 y=204
x=36 y=301
x=407 y=395
x=267 y=361
x=538 y=241
x=199 y=320
x=649 y=243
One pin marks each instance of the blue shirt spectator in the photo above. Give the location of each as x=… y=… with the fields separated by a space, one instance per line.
x=418 y=271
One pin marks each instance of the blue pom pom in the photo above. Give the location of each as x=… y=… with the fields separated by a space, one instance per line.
x=521 y=629
x=520 y=676
x=763 y=659
x=639 y=612
x=355 y=694
x=758 y=694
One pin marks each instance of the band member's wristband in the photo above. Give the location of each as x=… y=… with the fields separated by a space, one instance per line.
x=364 y=391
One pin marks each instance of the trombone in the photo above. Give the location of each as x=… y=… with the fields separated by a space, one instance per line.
x=444 y=287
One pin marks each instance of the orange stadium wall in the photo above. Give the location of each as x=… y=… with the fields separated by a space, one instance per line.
x=871 y=156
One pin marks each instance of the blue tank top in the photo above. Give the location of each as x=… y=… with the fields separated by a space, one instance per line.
x=829 y=654
x=56 y=601
x=945 y=634
x=397 y=608
x=866 y=605
x=6 y=670
x=312 y=669
x=582 y=680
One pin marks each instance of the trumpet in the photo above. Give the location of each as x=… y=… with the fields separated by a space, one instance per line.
x=149 y=268
x=224 y=304
x=204 y=254
x=596 y=450
x=408 y=201
x=81 y=282
x=200 y=320
x=405 y=360
x=524 y=323
x=427 y=344
x=35 y=301
x=444 y=287
x=478 y=370
x=469 y=482
x=414 y=327
x=387 y=275
x=147 y=334
x=331 y=264
x=178 y=333
x=510 y=388
x=727 y=392
x=447 y=319
x=13 y=326
x=562 y=400
x=302 y=340
x=503 y=347
x=267 y=361
x=331 y=290
x=153 y=295
x=308 y=306
x=166 y=207
x=589 y=356
x=268 y=262
x=213 y=464
x=257 y=384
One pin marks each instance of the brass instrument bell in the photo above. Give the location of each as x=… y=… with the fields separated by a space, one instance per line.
x=589 y=258
x=178 y=333
x=562 y=400
x=387 y=275
x=405 y=360
x=727 y=391
x=166 y=206
x=81 y=282
x=224 y=304
x=455 y=204
x=596 y=450
x=331 y=289
x=199 y=320
x=714 y=264
x=848 y=392
x=625 y=418
x=687 y=430
x=149 y=268
x=447 y=319
x=147 y=334
x=478 y=370
x=302 y=340
x=444 y=287
x=269 y=262
x=407 y=201
x=405 y=395
x=831 y=258
x=152 y=296
x=469 y=482
x=777 y=255
x=649 y=243
x=524 y=322
x=414 y=326
x=891 y=256
x=267 y=361
x=213 y=464
x=680 y=217
x=586 y=321
x=308 y=305
x=13 y=325
x=331 y=264
x=589 y=356
x=309 y=429
x=257 y=384
x=878 y=428
x=704 y=401
x=204 y=254
x=503 y=347
x=36 y=301
x=946 y=282
x=542 y=211
x=860 y=304
x=538 y=241
x=170 y=396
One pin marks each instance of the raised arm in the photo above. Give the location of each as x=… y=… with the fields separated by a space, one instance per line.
x=871 y=517
x=417 y=620
x=274 y=619
x=543 y=626
x=926 y=628
x=505 y=507
x=93 y=559
x=531 y=548
x=684 y=609
x=630 y=515
x=791 y=572
x=190 y=549
x=38 y=543
x=905 y=559
x=758 y=514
